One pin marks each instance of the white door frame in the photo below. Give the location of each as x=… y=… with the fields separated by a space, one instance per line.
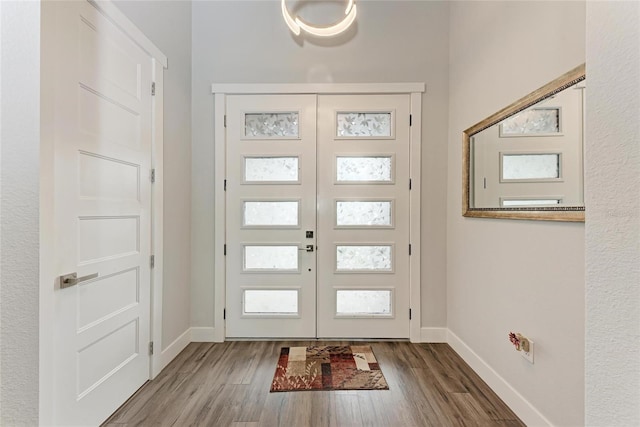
x=220 y=91
x=47 y=271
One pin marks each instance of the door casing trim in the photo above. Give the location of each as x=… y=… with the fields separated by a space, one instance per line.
x=315 y=88
x=220 y=92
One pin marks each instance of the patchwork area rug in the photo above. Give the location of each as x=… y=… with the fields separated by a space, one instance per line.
x=328 y=368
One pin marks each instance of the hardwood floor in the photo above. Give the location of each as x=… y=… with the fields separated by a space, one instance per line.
x=227 y=384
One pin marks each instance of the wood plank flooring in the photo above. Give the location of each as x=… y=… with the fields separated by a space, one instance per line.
x=227 y=384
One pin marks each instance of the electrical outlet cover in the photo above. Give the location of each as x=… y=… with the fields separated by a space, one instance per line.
x=528 y=355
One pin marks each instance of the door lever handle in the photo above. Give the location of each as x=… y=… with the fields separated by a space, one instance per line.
x=72 y=279
x=308 y=248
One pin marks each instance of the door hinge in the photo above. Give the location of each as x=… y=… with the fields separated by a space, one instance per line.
x=151 y=348
x=409 y=314
x=225 y=249
x=153 y=88
x=410 y=119
x=152 y=261
x=225 y=185
x=409 y=183
x=225 y=120
x=409 y=249
x=224 y=314
x=153 y=176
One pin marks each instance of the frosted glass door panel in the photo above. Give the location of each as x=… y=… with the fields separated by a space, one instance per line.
x=364 y=169
x=363 y=124
x=363 y=213
x=530 y=166
x=363 y=258
x=271 y=125
x=271 y=301
x=363 y=302
x=267 y=213
x=276 y=258
x=537 y=121
x=270 y=169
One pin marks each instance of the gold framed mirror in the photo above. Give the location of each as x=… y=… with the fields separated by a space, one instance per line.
x=526 y=160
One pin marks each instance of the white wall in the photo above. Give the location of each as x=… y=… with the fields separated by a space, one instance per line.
x=508 y=275
x=168 y=25
x=613 y=215
x=393 y=41
x=19 y=181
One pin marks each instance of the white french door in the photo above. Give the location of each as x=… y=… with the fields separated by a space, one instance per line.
x=363 y=216
x=271 y=185
x=317 y=216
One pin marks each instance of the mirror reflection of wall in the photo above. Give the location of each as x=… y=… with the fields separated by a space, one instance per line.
x=533 y=158
x=526 y=160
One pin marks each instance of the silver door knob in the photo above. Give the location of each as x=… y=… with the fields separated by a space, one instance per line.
x=308 y=248
x=72 y=279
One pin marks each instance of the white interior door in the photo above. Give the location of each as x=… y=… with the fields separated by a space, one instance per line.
x=363 y=216
x=360 y=162
x=271 y=186
x=101 y=126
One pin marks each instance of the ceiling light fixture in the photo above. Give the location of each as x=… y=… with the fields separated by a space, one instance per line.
x=296 y=24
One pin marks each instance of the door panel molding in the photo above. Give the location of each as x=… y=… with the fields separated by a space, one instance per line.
x=221 y=93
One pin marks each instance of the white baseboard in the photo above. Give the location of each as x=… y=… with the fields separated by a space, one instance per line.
x=206 y=334
x=173 y=349
x=195 y=334
x=518 y=404
x=433 y=335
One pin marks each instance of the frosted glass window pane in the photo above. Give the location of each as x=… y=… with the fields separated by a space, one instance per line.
x=271 y=169
x=530 y=166
x=375 y=258
x=363 y=168
x=274 y=301
x=363 y=213
x=534 y=121
x=364 y=124
x=354 y=302
x=270 y=213
x=271 y=125
x=530 y=202
x=270 y=257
